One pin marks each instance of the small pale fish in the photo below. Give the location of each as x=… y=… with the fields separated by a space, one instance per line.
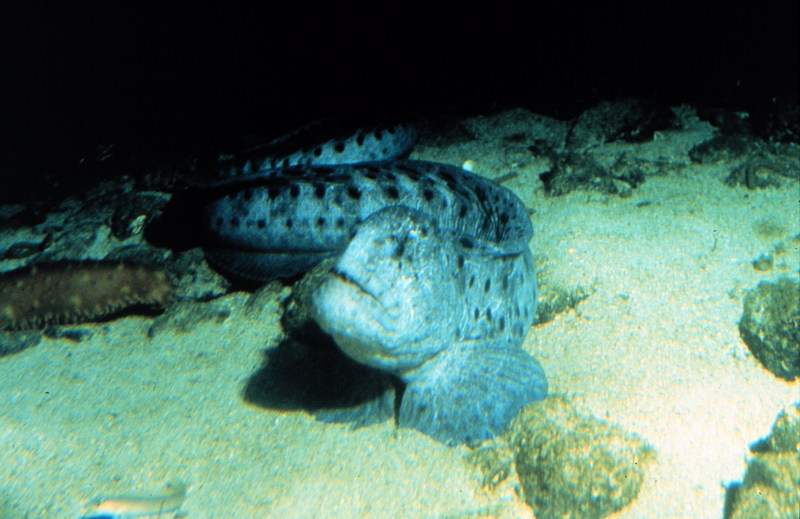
x=165 y=504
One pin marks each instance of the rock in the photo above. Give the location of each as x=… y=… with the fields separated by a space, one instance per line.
x=771 y=486
x=785 y=435
x=726 y=148
x=572 y=171
x=185 y=316
x=15 y=342
x=554 y=300
x=296 y=321
x=132 y=212
x=770 y=326
x=569 y=464
x=626 y=119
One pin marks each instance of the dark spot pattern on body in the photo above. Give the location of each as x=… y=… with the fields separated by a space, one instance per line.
x=392 y=192
x=353 y=192
x=346 y=199
x=409 y=172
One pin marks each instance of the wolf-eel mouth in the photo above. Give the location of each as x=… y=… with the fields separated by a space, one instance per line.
x=350 y=280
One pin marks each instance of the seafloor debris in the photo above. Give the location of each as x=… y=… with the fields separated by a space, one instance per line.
x=756 y=164
x=770 y=326
x=760 y=172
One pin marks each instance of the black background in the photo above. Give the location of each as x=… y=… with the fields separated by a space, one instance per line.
x=187 y=75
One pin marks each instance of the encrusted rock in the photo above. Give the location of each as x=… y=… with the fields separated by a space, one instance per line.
x=573 y=465
x=770 y=326
x=568 y=464
x=626 y=119
x=771 y=486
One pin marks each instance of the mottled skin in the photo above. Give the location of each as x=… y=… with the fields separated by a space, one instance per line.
x=405 y=297
x=282 y=223
x=381 y=144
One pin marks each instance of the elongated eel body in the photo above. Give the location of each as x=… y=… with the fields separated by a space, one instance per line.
x=434 y=281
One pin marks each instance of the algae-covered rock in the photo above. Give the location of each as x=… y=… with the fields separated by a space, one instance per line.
x=785 y=435
x=771 y=486
x=573 y=465
x=770 y=326
x=495 y=460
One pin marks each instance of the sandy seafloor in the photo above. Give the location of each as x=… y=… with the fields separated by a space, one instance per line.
x=655 y=348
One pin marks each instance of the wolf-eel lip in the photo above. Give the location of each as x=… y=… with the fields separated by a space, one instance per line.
x=350 y=280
